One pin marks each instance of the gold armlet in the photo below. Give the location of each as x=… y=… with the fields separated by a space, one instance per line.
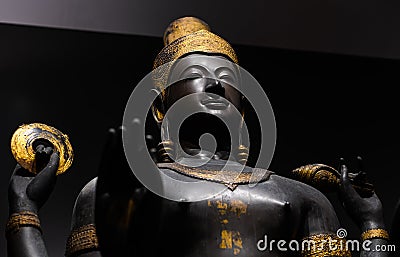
x=83 y=238
x=375 y=233
x=323 y=245
x=22 y=219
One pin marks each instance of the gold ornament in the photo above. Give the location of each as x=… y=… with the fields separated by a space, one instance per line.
x=82 y=238
x=24 y=138
x=183 y=26
x=323 y=245
x=327 y=179
x=243 y=154
x=375 y=233
x=230 y=178
x=320 y=176
x=165 y=151
x=184 y=36
x=22 y=219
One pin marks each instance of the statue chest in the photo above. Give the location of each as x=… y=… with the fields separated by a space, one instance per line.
x=227 y=224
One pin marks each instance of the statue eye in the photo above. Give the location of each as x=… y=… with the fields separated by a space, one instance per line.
x=227 y=78
x=194 y=75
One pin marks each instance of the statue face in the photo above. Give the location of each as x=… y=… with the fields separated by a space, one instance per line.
x=214 y=76
x=207 y=81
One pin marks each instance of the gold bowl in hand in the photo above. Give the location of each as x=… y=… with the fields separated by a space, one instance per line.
x=23 y=145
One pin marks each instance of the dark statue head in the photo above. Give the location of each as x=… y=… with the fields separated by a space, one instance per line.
x=197 y=71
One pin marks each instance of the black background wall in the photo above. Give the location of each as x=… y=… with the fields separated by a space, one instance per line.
x=326 y=106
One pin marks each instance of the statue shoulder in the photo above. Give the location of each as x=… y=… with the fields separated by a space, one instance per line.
x=303 y=191
x=84 y=208
x=319 y=216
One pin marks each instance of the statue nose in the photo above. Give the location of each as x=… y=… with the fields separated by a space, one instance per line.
x=215 y=87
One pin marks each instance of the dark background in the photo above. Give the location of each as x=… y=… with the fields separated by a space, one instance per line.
x=326 y=106
x=360 y=27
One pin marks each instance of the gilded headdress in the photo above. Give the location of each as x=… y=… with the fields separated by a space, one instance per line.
x=185 y=36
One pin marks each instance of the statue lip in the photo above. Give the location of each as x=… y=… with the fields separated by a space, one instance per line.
x=217 y=104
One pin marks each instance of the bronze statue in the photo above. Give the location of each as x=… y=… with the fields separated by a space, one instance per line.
x=115 y=215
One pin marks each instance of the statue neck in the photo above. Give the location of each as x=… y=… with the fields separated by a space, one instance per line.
x=196 y=153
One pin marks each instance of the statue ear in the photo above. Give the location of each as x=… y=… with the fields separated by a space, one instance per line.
x=157 y=107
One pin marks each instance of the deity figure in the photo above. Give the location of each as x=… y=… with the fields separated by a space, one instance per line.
x=116 y=215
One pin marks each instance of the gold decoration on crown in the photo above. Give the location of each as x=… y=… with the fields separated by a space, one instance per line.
x=182 y=37
x=183 y=26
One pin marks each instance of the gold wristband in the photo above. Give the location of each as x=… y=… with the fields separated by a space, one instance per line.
x=22 y=219
x=83 y=238
x=322 y=245
x=375 y=233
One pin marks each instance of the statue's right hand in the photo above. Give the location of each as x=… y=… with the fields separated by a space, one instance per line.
x=27 y=191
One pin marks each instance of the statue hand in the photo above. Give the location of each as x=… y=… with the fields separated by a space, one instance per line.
x=27 y=191
x=365 y=211
x=114 y=171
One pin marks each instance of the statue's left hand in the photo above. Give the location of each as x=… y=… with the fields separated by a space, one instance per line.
x=366 y=212
x=27 y=191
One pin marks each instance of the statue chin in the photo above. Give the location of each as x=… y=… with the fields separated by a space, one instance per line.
x=191 y=133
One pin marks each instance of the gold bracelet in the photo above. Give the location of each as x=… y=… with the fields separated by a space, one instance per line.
x=375 y=233
x=322 y=245
x=22 y=219
x=83 y=238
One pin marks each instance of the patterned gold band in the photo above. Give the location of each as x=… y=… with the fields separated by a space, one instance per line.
x=22 y=219
x=202 y=41
x=375 y=233
x=83 y=238
x=323 y=245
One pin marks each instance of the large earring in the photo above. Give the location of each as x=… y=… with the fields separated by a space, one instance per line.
x=157 y=106
x=165 y=150
x=243 y=154
x=243 y=151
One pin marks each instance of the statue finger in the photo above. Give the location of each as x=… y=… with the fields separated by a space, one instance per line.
x=40 y=148
x=48 y=150
x=346 y=188
x=360 y=165
x=108 y=152
x=43 y=183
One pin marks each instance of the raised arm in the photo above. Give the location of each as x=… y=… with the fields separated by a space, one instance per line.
x=103 y=209
x=83 y=240
x=368 y=215
x=319 y=235
x=27 y=193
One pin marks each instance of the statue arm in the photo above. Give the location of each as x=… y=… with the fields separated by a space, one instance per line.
x=322 y=225
x=27 y=241
x=27 y=193
x=83 y=241
x=367 y=213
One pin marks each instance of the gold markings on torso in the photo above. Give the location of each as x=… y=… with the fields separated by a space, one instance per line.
x=230 y=238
